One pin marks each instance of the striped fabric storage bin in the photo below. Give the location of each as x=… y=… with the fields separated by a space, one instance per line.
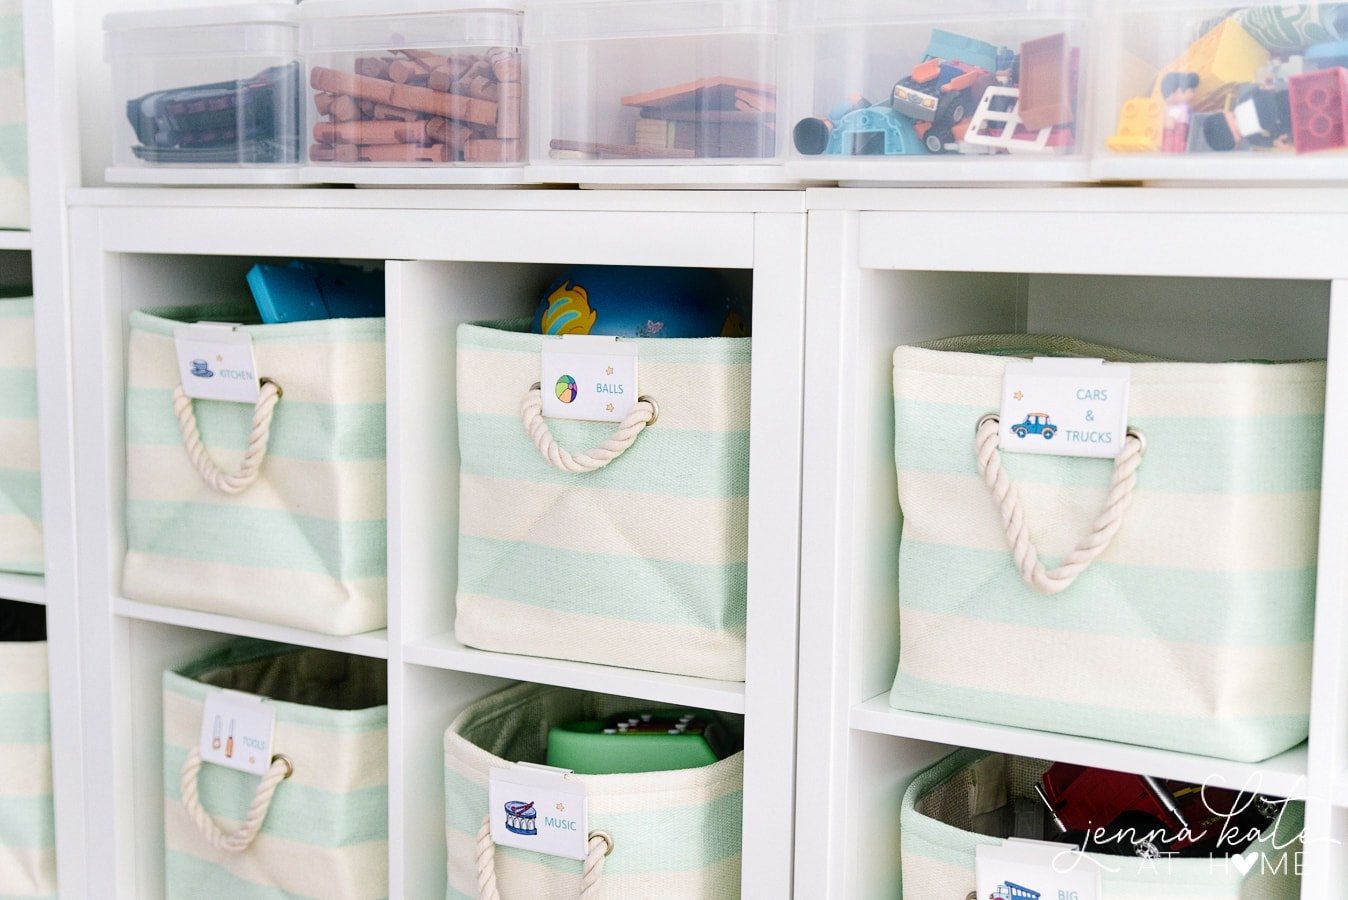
x=27 y=829
x=675 y=835
x=305 y=543
x=13 y=119
x=639 y=563
x=20 y=488
x=940 y=847
x=1168 y=637
x=324 y=831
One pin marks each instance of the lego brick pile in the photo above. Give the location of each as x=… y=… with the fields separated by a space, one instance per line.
x=417 y=106
x=1270 y=79
x=965 y=96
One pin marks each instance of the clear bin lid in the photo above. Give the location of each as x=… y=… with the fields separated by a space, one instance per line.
x=586 y=20
x=375 y=25
x=897 y=12
x=281 y=13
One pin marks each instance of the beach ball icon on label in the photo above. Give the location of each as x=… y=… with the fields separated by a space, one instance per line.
x=566 y=389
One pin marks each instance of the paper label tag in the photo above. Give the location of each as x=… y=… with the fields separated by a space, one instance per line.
x=539 y=808
x=215 y=362
x=1065 y=407
x=236 y=731
x=588 y=377
x=1035 y=870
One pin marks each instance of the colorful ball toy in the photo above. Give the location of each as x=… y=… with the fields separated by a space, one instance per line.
x=641 y=302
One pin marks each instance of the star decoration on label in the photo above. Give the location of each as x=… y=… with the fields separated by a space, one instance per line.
x=609 y=370
x=1019 y=395
x=219 y=358
x=609 y=407
x=561 y=807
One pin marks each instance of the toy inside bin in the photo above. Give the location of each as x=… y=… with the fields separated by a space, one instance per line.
x=667 y=81
x=1267 y=81
x=910 y=80
x=413 y=82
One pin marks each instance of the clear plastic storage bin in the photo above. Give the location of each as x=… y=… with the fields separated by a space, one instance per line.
x=210 y=88
x=413 y=82
x=655 y=81
x=1207 y=91
x=908 y=90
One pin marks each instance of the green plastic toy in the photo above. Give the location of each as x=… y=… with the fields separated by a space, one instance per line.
x=654 y=741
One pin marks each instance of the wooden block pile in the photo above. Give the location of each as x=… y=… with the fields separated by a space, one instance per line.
x=418 y=106
x=715 y=117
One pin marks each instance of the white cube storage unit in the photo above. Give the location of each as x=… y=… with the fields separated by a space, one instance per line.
x=142 y=249
x=1042 y=262
x=980 y=90
x=1192 y=91
x=413 y=85
x=209 y=95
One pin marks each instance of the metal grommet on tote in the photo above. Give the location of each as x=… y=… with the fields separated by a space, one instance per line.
x=1141 y=438
x=280 y=392
x=290 y=766
x=986 y=417
x=536 y=386
x=605 y=837
x=655 y=409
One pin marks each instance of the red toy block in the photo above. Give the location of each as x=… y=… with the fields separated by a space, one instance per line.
x=1319 y=103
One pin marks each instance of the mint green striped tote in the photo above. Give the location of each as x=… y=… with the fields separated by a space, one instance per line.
x=13 y=119
x=634 y=556
x=298 y=538
x=939 y=847
x=1205 y=585
x=27 y=828
x=319 y=822
x=20 y=486
x=671 y=835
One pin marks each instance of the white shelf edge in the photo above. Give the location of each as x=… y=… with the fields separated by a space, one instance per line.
x=16 y=240
x=1283 y=775
x=28 y=588
x=445 y=652
x=372 y=644
x=421 y=176
x=174 y=176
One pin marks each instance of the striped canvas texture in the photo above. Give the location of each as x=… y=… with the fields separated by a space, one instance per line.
x=1168 y=639
x=676 y=835
x=27 y=829
x=13 y=130
x=939 y=858
x=641 y=564
x=20 y=489
x=326 y=833
x=305 y=545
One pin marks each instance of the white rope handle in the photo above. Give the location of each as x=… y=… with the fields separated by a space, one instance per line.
x=600 y=846
x=251 y=464
x=235 y=841
x=1089 y=548
x=642 y=416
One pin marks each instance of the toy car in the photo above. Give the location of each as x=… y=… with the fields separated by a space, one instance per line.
x=940 y=90
x=1036 y=423
x=1148 y=817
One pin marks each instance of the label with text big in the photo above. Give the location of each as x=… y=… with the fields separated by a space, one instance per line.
x=539 y=808
x=237 y=731
x=1035 y=870
x=215 y=362
x=588 y=377
x=1065 y=407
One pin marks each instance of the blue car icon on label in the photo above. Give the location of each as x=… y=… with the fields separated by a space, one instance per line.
x=201 y=370
x=1035 y=423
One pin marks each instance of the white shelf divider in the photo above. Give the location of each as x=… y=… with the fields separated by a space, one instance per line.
x=373 y=644
x=16 y=240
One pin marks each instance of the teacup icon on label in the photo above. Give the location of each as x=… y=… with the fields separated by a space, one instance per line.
x=201 y=370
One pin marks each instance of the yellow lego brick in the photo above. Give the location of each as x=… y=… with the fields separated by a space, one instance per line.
x=1140 y=124
x=1223 y=58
